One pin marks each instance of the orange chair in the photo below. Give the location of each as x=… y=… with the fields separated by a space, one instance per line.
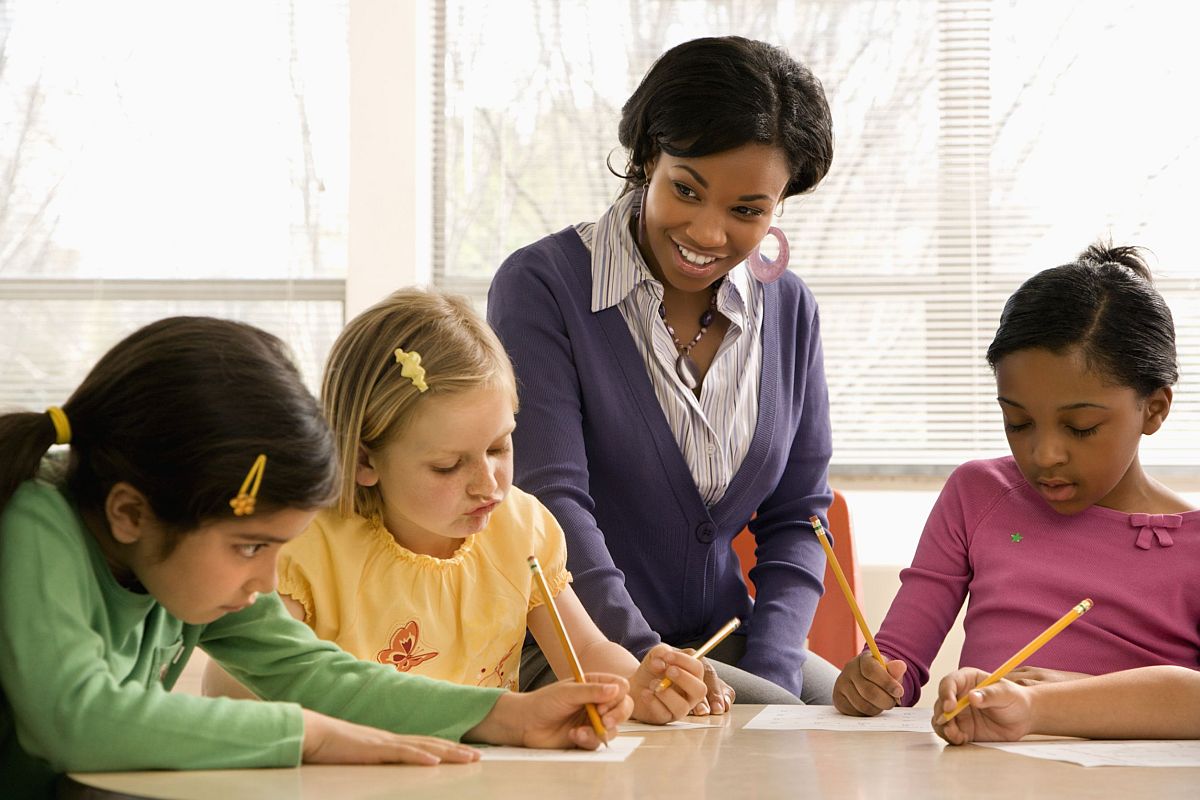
x=834 y=634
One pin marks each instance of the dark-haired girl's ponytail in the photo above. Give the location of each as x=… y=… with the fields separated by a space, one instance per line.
x=1129 y=257
x=1104 y=303
x=25 y=437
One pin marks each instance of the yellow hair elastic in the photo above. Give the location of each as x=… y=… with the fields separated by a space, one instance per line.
x=412 y=368
x=243 y=504
x=62 y=428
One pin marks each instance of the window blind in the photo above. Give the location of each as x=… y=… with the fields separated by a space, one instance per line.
x=166 y=158
x=976 y=143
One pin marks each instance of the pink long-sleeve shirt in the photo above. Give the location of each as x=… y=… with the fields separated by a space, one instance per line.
x=1024 y=565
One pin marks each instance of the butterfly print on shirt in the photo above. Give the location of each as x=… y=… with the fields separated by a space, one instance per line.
x=402 y=653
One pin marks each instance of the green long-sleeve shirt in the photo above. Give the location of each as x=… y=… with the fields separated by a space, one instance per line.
x=86 y=667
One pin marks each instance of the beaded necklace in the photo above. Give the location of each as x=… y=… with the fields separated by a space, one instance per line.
x=685 y=366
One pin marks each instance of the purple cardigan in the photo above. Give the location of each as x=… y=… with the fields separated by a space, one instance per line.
x=651 y=562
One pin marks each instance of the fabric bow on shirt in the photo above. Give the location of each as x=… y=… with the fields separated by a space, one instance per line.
x=1156 y=524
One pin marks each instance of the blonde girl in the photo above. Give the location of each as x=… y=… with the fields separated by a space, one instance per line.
x=423 y=563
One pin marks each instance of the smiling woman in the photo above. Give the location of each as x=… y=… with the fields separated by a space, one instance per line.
x=672 y=382
x=699 y=219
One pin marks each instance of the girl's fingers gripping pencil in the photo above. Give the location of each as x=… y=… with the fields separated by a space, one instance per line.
x=841 y=579
x=576 y=669
x=1022 y=654
x=706 y=648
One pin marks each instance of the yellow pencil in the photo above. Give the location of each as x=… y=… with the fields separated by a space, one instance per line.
x=576 y=668
x=1022 y=654
x=706 y=648
x=846 y=590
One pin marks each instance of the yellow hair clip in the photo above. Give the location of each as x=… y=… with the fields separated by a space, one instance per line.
x=412 y=368
x=243 y=504
x=62 y=428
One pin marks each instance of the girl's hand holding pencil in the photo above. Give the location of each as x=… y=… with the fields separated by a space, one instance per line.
x=1010 y=711
x=601 y=731
x=556 y=716
x=1001 y=712
x=684 y=678
x=977 y=695
x=869 y=684
x=867 y=688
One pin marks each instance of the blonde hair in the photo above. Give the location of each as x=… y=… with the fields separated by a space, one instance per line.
x=368 y=401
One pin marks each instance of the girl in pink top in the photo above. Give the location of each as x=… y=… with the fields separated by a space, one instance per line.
x=1084 y=361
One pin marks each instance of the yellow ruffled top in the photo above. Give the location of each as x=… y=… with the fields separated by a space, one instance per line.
x=459 y=619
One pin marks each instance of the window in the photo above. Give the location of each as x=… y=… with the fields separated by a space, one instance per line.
x=167 y=158
x=977 y=142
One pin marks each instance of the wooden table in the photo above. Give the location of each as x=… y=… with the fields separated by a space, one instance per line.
x=719 y=762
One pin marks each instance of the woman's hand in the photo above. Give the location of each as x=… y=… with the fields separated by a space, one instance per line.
x=554 y=716
x=718 y=696
x=334 y=741
x=658 y=707
x=866 y=688
x=1002 y=712
x=1030 y=676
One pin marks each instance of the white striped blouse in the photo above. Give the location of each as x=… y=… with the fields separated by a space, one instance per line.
x=713 y=432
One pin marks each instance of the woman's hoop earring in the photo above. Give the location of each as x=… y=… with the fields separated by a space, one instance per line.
x=765 y=269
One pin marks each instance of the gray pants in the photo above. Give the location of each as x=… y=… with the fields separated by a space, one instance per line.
x=819 y=675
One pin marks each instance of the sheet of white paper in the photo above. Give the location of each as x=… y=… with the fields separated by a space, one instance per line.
x=1090 y=753
x=827 y=718
x=618 y=750
x=677 y=725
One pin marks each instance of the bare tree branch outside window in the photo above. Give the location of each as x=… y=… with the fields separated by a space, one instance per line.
x=975 y=143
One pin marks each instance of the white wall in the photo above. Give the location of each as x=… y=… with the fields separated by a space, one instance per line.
x=391 y=222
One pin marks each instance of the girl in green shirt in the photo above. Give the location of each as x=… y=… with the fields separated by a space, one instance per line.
x=145 y=542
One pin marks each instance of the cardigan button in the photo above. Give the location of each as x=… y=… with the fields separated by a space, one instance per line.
x=706 y=532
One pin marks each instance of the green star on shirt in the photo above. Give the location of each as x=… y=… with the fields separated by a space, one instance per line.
x=1016 y=537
